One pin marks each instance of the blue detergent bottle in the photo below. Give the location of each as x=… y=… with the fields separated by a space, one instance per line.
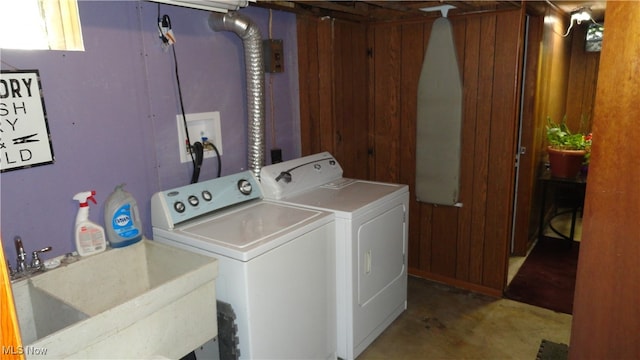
x=121 y=218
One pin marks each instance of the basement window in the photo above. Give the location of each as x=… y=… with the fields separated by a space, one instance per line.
x=40 y=25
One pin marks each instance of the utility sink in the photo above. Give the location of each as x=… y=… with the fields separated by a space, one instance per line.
x=41 y=314
x=141 y=301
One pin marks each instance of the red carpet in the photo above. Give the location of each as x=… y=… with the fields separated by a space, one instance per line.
x=548 y=276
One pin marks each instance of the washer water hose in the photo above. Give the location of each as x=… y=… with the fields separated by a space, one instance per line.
x=198 y=150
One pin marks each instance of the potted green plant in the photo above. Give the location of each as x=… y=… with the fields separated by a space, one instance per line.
x=568 y=151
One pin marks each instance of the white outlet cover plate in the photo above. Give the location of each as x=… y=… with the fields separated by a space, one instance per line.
x=200 y=124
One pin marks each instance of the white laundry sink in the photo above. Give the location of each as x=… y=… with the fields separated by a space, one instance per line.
x=140 y=301
x=41 y=314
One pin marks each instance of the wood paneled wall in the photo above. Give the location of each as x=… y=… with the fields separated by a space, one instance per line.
x=334 y=91
x=315 y=59
x=469 y=245
x=583 y=79
x=465 y=246
x=606 y=315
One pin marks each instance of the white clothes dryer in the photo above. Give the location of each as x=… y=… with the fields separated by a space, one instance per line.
x=274 y=262
x=371 y=241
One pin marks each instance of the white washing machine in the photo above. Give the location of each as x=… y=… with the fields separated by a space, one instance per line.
x=274 y=262
x=371 y=241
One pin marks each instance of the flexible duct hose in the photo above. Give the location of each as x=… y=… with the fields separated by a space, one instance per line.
x=254 y=63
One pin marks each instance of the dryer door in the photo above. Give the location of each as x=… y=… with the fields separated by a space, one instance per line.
x=380 y=271
x=381 y=253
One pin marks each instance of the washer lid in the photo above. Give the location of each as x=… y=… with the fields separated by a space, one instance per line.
x=251 y=230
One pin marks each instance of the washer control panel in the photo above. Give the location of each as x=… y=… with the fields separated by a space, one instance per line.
x=174 y=206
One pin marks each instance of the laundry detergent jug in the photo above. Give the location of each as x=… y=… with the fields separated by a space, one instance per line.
x=121 y=218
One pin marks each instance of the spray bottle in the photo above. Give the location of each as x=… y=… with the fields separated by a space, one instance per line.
x=89 y=236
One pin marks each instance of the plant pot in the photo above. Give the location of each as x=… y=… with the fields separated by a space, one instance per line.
x=565 y=163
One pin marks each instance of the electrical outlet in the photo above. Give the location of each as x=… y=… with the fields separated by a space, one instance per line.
x=200 y=125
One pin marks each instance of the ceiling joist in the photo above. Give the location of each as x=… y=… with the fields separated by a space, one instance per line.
x=389 y=10
x=364 y=10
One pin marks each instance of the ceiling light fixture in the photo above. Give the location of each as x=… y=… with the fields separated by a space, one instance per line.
x=578 y=16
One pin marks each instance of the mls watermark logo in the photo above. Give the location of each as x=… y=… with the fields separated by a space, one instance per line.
x=24 y=350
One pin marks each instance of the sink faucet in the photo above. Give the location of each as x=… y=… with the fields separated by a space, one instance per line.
x=22 y=268
x=21 y=265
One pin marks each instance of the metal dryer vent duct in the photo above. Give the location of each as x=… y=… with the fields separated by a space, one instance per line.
x=254 y=67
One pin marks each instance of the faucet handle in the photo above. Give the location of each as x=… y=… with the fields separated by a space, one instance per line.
x=36 y=263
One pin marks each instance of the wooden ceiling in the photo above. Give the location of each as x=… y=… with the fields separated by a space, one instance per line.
x=384 y=10
x=363 y=10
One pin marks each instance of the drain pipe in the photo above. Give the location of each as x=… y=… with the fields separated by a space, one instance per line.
x=254 y=67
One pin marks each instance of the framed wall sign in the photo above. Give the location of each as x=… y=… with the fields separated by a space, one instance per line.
x=25 y=140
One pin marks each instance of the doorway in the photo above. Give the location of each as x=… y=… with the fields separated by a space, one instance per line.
x=559 y=78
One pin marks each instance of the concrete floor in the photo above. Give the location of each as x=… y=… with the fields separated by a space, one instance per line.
x=443 y=322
